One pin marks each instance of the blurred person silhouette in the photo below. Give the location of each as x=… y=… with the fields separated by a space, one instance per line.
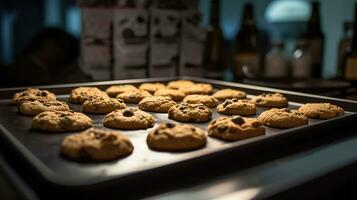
x=51 y=57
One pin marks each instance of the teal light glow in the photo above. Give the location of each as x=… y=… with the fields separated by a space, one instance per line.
x=288 y=11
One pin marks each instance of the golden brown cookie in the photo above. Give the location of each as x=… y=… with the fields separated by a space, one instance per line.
x=152 y=87
x=206 y=100
x=198 y=88
x=321 y=110
x=176 y=137
x=270 y=100
x=176 y=95
x=32 y=94
x=114 y=90
x=237 y=107
x=129 y=118
x=81 y=94
x=60 y=121
x=97 y=145
x=102 y=105
x=282 y=118
x=235 y=128
x=156 y=104
x=38 y=106
x=133 y=96
x=179 y=83
x=229 y=94
x=185 y=112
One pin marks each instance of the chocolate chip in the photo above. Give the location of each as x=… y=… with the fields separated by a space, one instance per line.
x=234 y=100
x=222 y=128
x=286 y=110
x=256 y=124
x=182 y=107
x=170 y=125
x=227 y=102
x=214 y=121
x=128 y=113
x=258 y=100
x=238 y=120
x=43 y=93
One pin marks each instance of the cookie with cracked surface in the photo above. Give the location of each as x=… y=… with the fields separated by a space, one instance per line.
x=129 y=118
x=81 y=94
x=176 y=137
x=237 y=107
x=32 y=94
x=152 y=87
x=38 y=106
x=114 y=90
x=206 y=100
x=133 y=96
x=270 y=100
x=156 y=104
x=282 y=118
x=96 y=145
x=61 y=121
x=235 y=128
x=321 y=110
x=102 y=105
x=198 y=88
x=185 y=112
x=179 y=83
x=229 y=94
x=176 y=95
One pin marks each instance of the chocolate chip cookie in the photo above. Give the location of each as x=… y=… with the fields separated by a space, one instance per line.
x=206 y=100
x=270 y=100
x=60 y=121
x=32 y=94
x=229 y=94
x=102 y=105
x=97 y=145
x=152 y=87
x=81 y=94
x=38 y=106
x=129 y=118
x=235 y=128
x=237 y=107
x=321 y=110
x=114 y=90
x=176 y=95
x=176 y=137
x=282 y=118
x=185 y=112
x=179 y=83
x=156 y=104
x=133 y=96
x=198 y=88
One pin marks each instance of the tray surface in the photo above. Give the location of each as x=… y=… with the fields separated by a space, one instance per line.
x=43 y=148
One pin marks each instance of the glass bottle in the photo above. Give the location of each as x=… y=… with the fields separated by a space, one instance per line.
x=276 y=63
x=301 y=63
x=350 y=58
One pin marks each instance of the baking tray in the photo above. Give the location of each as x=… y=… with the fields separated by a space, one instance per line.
x=40 y=151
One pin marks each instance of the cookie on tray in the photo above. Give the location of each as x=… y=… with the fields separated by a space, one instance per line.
x=179 y=83
x=185 y=112
x=237 y=107
x=152 y=87
x=102 y=105
x=129 y=118
x=282 y=118
x=159 y=104
x=133 y=96
x=176 y=137
x=32 y=94
x=321 y=110
x=114 y=90
x=206 y=100
x=60 y=121
x=229 y=94
x=176 y=95
x=81 y=94
x=96 y=145
x=270 y=100
x=198 y=88
x=38 y=106
x=235 y=128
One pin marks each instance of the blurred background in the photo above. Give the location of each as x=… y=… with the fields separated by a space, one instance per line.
x=291 y=44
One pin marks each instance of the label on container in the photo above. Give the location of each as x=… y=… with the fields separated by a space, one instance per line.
x=351 y=69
